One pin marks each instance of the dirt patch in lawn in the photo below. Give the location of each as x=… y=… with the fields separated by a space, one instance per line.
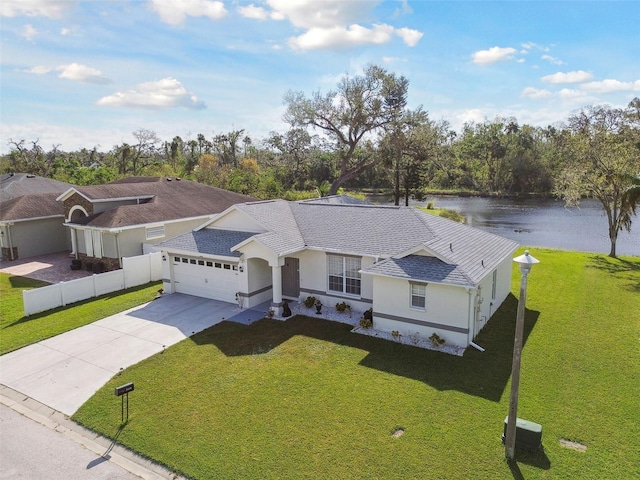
x=573 y=445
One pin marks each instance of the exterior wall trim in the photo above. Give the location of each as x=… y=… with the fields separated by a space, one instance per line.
x=254 y=293
x=422 y=323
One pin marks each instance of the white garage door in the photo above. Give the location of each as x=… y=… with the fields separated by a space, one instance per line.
x=206 y=278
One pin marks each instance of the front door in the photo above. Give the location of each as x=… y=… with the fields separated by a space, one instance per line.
x=291 y=278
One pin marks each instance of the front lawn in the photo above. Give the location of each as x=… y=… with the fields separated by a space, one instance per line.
x=17 y=331
x=306 y=398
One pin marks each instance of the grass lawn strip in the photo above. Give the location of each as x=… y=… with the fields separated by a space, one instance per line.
x=306 y=398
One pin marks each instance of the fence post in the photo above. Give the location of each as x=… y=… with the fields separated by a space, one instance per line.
x=63 y=301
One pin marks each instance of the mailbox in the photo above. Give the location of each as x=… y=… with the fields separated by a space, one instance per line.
x=122 y=389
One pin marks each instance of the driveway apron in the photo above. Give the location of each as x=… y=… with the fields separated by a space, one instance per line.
x=64 y=371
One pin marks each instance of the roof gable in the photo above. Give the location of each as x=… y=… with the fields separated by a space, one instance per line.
x=161 y=200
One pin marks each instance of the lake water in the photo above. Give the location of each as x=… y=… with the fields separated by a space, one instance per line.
x=540 y=222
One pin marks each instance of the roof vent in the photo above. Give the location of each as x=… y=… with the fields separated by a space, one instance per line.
x=451 y=247
x=29 y=175
x=482 y=262
x=168 y=179
x=178 y=179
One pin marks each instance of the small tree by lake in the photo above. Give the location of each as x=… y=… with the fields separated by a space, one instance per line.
x=602 y=158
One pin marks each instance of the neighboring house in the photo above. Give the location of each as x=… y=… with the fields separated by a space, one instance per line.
x=31 y=221
x=418 y=272
x=127 y=217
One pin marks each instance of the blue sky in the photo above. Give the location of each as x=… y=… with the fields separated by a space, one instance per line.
x=89 y=73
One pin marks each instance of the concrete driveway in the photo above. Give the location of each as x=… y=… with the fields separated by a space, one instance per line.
x=64 y=371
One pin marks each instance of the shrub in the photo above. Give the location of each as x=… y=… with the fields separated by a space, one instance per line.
x=310 y=302
x=452 y=215
x=342 y=306
x=366 y=323
x=436 y=339
x=396 y=335
x=430 y=205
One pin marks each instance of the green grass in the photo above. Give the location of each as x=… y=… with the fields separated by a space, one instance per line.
x=17 y=331
x=306 y=398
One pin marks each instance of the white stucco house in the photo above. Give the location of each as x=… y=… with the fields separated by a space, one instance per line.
x=418 y=272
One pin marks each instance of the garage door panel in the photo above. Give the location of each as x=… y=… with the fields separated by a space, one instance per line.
x=206 y=281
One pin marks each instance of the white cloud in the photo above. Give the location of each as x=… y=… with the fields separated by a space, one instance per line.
x=610 y=85
x=571 y=94
x=535 y=93
x=310 y=14
x=552 y=60
x=175 y=12
x=29 y=32
x=393 y=59
x=403 y=9
x=73 y=71
x=474 y=115
x=533 y=46
x=409 y=36
x=336 y=24
x=561 y=78
x=33 y=8
x=341 y=37
x=493 y=55
x=82 y=73
x=65 y=31
x=165 y=93
x=38 y=70
x=251 y=11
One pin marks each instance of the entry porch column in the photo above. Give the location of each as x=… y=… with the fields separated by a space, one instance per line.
x=276 y=285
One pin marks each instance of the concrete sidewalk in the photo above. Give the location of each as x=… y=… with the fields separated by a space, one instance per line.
x=64 y=371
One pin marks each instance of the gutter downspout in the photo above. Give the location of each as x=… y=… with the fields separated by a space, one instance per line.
x=471 y=317
x=9 y=225
x=118 y=249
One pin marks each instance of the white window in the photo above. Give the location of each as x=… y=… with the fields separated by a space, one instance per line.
x=343 y=274
x=419 y=296
x=155 y=232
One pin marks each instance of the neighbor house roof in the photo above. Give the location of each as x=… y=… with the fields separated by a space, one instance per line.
x=154 y=200
x=408 y=242
x=24 y=196
x=13 y=185
x=29 y=207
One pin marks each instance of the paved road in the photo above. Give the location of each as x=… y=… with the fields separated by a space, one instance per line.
x=32 y=451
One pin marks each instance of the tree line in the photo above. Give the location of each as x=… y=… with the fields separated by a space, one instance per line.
x=362 y=136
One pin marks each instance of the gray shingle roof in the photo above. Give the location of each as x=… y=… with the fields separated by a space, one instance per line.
x=211 y=242
x=421 y=268
x=13 y=185
x=462 y=254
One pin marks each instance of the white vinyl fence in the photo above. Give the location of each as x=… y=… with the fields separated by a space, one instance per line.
x=135 y=271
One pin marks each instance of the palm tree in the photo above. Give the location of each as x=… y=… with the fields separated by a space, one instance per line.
x=630 y=200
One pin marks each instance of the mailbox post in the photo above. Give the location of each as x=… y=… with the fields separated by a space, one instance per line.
x=123 y=391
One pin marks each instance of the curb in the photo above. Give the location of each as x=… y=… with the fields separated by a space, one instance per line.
x=101 y=446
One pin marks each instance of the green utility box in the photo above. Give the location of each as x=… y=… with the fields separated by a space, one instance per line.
x=528 y=434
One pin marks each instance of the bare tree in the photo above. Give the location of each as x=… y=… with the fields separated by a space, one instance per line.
x=360 y=106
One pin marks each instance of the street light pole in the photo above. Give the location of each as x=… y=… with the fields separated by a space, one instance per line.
x=526 y=262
